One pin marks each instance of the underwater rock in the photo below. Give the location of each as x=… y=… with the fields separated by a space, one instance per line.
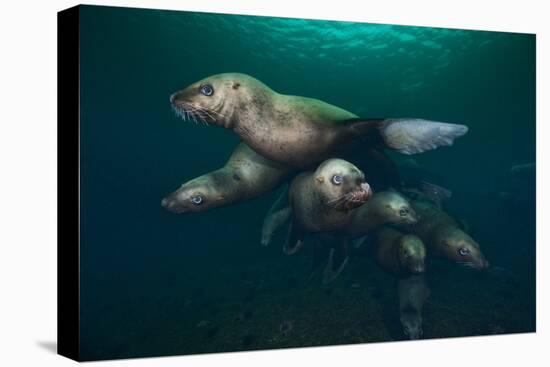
x=286 y=327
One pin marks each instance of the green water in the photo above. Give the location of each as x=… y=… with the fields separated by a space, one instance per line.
x=155 y=283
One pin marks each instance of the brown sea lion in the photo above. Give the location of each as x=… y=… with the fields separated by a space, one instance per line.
x=444 y=238
x=399 y=254
x=245 y=175
x=324 y=200
x=298 y=131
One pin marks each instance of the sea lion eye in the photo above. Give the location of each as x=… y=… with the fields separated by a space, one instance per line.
x=207 y=90
x=403 y=212
x=337 y=179
x=463 y=251
x=197 y=199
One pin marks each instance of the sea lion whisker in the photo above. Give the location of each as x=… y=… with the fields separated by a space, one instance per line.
x=338 y=199
x=215 y=112
x=206 y=111
x=196 y=113
x=199 y=114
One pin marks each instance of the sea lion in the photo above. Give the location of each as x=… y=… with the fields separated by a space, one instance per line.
x=386 y=207
x=298 y=131
x=245 y=175
x=413 y=292
x=324 y=200
x=444 y=238
x=399 y=254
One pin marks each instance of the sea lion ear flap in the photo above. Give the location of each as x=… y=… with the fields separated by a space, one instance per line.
x=319 y=179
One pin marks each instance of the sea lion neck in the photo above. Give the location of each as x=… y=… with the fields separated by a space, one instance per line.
x=372 y=215
x=251 y=113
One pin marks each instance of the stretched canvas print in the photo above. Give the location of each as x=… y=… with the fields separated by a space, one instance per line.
x=233 y=183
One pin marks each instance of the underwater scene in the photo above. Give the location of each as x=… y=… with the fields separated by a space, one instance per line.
x=256 y=183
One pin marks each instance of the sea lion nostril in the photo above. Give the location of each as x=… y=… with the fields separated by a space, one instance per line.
x=165 y=203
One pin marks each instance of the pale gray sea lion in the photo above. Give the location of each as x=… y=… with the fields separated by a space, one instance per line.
x=298 y=131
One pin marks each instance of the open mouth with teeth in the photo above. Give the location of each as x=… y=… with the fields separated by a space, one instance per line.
x=354 y=198
x=357 y=197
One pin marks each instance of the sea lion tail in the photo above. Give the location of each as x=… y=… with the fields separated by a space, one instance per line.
x=412 y=136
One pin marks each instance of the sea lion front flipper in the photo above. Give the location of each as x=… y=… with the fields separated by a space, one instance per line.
x=337 y=260
x=359 y=242
x=277 y=215
x=295 y=239
x=319 y=255
x=409 y=135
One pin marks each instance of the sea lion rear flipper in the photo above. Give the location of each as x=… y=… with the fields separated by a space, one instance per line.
x=411 y=136
x=337 y=260
x=295 y=239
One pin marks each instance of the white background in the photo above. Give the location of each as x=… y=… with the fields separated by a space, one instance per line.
x=28 y=183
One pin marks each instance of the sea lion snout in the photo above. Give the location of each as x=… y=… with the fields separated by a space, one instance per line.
x=365 y=192
x=170 y=205
x=359 y=196
x=412 y=218
x=483 y=264
x=177 y=202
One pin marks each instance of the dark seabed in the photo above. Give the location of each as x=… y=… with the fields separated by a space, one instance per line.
x=155 y=283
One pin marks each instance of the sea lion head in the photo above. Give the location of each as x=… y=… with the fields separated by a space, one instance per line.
x=457 y=245
x=412 y=254
x=395 y=208
x=341 y=185
x=197 y=195
x=412 y=323
x=220 y=99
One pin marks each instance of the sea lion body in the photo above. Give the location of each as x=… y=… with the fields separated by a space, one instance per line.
x=399 y=254
x=299 y=131
x=244 y=176
x=444 y=237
